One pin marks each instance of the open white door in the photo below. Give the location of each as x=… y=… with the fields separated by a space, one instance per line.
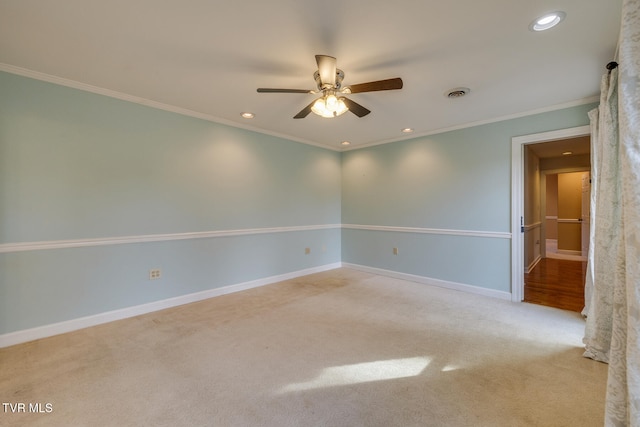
x=586 y=212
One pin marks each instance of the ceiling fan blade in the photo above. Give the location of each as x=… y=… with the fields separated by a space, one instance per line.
x=269 y=90
x=327 y=69
x=388 y=84
x=355 y=108
x=305 y=111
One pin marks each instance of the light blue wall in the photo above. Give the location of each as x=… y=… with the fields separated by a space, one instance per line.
x=79 y=165
x=458 y=180
x=75 y=165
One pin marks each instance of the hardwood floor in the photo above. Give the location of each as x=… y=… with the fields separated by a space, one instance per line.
x=556 y=283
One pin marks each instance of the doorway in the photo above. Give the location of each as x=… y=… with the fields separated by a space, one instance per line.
x=529 y=237
x=565 y=209
x=555 y=176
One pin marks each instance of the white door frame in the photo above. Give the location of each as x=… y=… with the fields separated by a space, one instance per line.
x=517 y=198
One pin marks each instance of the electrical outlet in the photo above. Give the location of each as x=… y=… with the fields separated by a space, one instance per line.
x=395 y=251
x=155 y=273
x=307 y=251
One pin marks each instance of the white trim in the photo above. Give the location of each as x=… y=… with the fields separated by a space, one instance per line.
x=553 y=135
x=64 y=244
x=80 y=243
x=25 y=335
x=566 y=170
x=530 y=227
x=569 y=252
x=517 y=198
x=148 y=102
x=533 y=264
x=12 y=69
x=418 y=230
x=432 y=282
x=550 y=108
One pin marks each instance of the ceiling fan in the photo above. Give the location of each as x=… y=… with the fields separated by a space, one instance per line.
x=329 y=82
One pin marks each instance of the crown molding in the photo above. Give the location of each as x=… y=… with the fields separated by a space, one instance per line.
x=36 y=75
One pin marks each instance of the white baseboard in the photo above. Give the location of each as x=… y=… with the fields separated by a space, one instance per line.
x=433 y=282
x=45 y=331
x=533 y=264
x=569 y=252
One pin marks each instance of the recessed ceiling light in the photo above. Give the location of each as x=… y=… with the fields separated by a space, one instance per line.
x=345 y=143
x=407 y=130
x=567 y=153
x=247 y=115
x=547 y=21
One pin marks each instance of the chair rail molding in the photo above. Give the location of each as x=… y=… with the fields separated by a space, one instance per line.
x=78 y=243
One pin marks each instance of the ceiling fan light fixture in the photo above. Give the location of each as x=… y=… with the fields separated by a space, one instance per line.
x=329 y=81
x=547 y=21
x=329 y=106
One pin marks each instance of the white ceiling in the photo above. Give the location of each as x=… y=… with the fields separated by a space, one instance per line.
x=208 y=57
x=577 y=146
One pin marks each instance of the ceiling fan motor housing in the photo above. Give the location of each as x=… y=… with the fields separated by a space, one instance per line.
x=339 y=77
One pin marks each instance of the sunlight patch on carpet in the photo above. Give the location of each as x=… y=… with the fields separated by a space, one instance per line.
x=363 y=373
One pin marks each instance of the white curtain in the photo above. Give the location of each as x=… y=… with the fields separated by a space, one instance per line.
x=603 y=265
x=613 y=278
x=594 y=117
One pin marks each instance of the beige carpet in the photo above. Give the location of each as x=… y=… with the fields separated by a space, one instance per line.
x=340 y=348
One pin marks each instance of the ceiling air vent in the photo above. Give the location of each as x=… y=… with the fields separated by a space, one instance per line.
x=458 y=92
